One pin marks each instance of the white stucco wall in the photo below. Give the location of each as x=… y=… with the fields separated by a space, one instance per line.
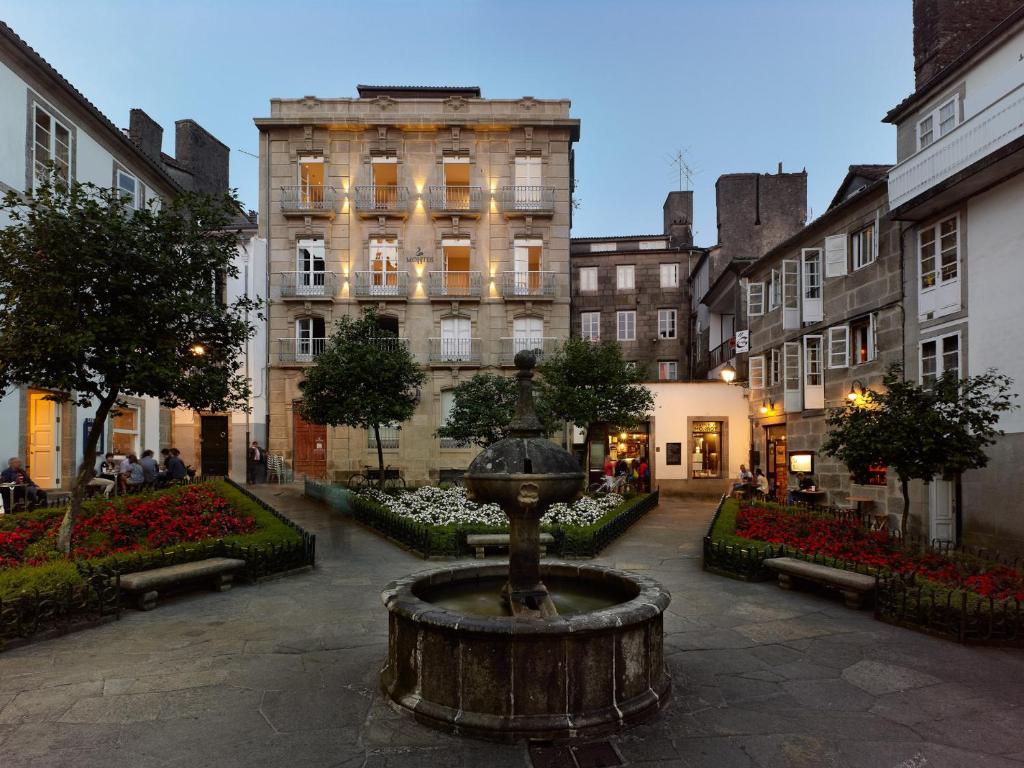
x=677 y=402
x=12 y=128
x=8 y=426
x=994 y=76
x=995 y=274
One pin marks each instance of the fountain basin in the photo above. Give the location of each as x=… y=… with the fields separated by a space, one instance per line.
x=498 y=677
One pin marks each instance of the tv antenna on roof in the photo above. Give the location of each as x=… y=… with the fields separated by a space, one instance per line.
x=682 y=168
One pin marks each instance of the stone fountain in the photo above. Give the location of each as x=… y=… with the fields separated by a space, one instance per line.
x=530 y=650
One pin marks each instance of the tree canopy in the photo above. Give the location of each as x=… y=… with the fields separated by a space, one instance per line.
x=921 y=432
x=482 y=409
x=365 y=378
x=103 y=300
x=588 y=383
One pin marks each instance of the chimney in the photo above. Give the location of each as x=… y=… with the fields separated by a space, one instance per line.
x=945 y=29
x=202 y=155
x=145 y=133
x=678 y=218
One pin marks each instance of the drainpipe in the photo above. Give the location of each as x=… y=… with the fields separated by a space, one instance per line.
x=265 y=148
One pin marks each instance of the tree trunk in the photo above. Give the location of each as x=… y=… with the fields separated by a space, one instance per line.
x=586 y=458
x=905 y=490
x=85 y=472
x=380 y=456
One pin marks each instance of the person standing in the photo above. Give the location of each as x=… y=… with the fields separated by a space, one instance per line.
x=256 y=464
x=609 y=465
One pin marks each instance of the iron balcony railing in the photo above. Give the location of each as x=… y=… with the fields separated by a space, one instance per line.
x=390 y=342
x=528 y=285
x=388 y=439
x=520 y=199
x=304 y=285
x=510 y=346
x=300 y=350
x=451 y=442
x=454 y=284
x=380 y=283
x=309 y=198
x=722 y=353
x=454 y=199
x=454 y=350
x=381 y=197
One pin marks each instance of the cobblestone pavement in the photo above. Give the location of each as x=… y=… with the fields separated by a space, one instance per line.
x=284 y=674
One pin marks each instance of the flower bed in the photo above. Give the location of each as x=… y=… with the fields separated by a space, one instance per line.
x=435 y=521
x=960 y=595
x=41 y=589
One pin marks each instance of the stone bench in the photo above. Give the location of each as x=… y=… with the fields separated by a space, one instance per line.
x=481 y=541
x=219 y=572
x=853 y=585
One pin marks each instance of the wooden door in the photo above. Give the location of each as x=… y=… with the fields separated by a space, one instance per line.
x=310 y=444
x=43 y=441
x=213 y=456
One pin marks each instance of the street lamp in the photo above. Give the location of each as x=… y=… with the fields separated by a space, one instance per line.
x=198 y=350
x=728 y=373
x=856 y=391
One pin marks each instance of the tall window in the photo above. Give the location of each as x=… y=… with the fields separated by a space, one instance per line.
x=625 y=277
x=666 y=324
x=590 y=326
x=126 y=431
x=939 y=253
x=528 y=333
x=938 y=356
x=939 y=121
x=128 y=187
x=311 y=181
x=588 y=279
x=310 y=336
x=447 y=403
x=456 y=338
x=669 y=275
x=626 y=322
x=528 y=190
x=668 y=370
x=775 y=290
x=526 y=262
x=383 y=265
x=862 y=340
x=862 y=246
x=774 y=367
x=310 y=265
x=51 y=144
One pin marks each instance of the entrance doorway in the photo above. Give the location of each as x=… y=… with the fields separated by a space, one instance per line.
x=941 y=506
x=775 y=460
x=214 y=452
x=310 y=443
x=43 y=454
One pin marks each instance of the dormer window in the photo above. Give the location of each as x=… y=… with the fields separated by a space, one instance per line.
x=128 y=187
x=937 y=123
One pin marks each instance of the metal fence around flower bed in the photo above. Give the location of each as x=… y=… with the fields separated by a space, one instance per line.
x=593 y=541
x=36 y=614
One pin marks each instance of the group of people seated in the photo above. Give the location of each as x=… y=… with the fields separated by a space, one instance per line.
x=134 y=473
x=639 y=473
x=752 y=483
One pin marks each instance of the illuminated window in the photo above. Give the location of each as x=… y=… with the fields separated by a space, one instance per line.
x=126 y=431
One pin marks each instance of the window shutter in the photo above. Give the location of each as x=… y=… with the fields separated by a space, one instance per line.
x=839 y=346
x=835 y=255
x=814 y=374
x=813 y=302
x=875 y=232
x=872 y=337
x=757 y=372
x=755 y=299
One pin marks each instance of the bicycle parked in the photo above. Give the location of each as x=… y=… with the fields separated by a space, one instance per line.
x=610 y=484
x=393 y=480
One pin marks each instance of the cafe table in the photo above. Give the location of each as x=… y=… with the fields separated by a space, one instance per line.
x=813 y=498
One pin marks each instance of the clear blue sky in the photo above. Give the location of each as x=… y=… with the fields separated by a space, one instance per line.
x=739 y=84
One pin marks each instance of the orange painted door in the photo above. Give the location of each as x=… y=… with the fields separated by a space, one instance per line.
x=310 y=442
x=44 y=441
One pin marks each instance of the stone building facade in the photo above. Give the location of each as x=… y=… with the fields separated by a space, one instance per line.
x=632 y=289
x=446 y=212
x=825 y=321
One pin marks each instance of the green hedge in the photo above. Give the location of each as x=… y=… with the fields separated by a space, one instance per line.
x=450 y=540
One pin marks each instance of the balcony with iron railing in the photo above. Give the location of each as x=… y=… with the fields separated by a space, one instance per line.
x=445 y=200
x=454 y=351
x=527 y=201
x=390 y=342
x=389 y=437
x=454 y=285
x=300 y=350
x=980 y=143
x=309 y=285
x=541 y=346
x=381 y=200
x=309 y=200
x=378 y=284
x=723 y=353
x=528 y=285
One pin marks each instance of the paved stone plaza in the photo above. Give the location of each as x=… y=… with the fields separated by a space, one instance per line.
x=284 y=674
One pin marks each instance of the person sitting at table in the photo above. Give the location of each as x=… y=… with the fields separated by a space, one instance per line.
x=149 y=467
x=762 y=482
x=105 y=484
x=176 y=470
x=136 y=476
x=744 y=479
x=24 y=488
x=804 y=482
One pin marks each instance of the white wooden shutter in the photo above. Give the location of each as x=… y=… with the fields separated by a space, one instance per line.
x=835 y=255
x=755 y=299
x=791 y=376
x=940 y=509
x=814 y=373
x=839 y=346
x=872 y=336
x=757 y=372
x=790 y=294
x=813 y=295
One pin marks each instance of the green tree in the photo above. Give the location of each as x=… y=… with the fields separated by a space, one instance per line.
x=587 y=383
x=364 y=378
x=482 y=409
x=102 y=301
x=921 y=432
